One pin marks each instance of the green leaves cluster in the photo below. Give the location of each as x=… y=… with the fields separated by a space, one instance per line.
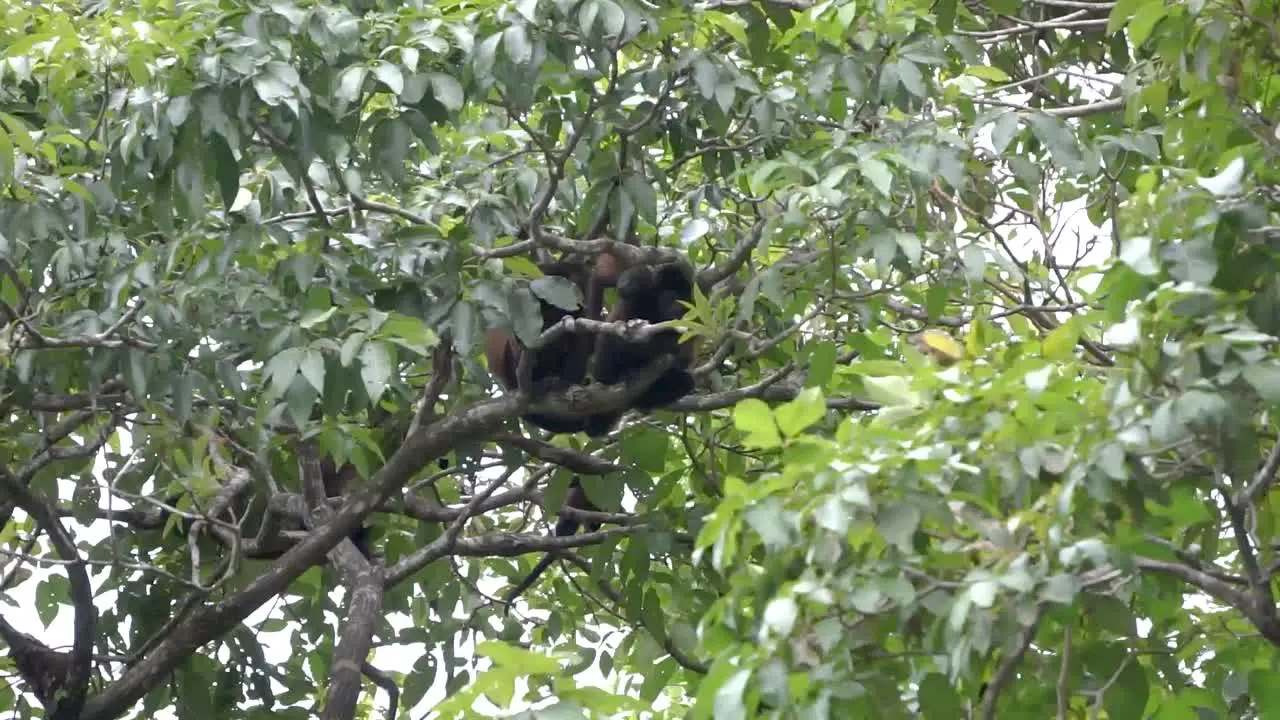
x=229 y=226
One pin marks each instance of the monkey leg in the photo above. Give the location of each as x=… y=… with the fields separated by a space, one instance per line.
x=668 y=388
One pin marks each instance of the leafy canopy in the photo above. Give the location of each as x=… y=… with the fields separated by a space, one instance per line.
x=988 y=358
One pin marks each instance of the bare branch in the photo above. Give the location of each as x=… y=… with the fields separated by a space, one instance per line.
x=1219 y=590
x=441 y=373
x=741 y=253
x=1064 y=674
x=362 y=203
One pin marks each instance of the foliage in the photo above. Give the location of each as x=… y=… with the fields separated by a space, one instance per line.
x=945 y=459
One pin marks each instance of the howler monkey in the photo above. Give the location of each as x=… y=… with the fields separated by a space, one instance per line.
x=337 y=480
x=653 y=293
x=564 y=361
x=560 y=363
x=565 y=526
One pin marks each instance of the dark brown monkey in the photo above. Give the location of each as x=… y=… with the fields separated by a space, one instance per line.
x=337 y=480
x=562 y=362
x=653 y=293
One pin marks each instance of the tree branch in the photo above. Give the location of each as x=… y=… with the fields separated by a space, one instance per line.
x=68 y=696
x=1008 y=669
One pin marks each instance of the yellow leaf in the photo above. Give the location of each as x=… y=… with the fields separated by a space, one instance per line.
x=940 y=346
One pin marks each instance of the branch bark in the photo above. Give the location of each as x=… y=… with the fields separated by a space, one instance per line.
x=64 y=697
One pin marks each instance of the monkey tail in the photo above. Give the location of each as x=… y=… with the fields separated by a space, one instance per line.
x=528 y=580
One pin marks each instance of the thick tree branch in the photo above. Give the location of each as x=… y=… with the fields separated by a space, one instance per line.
x=211 y=621
x=1217 y=589
x=69 y=695
x=110 y=394
x=364 y=609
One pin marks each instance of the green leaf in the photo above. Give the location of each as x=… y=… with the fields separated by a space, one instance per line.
x=780 y=615
x=312 y=368
x=1265 y=379
x=350 y=83
x=796 y=416
x=1136 y=253
x=938 y=699
x=376 y=363
x=898 y=523
x=509 y=656
x=753 y=417
x=983 y=593
x=526 y=316
x=409 y=333
x=946 y=14
x=612 y=18
x=19 y=132
x=1061 y=342
x=446 y=90
x=891 y=390
x=986 y=72
x=642 y=196
x=520 y=265
x=1127 y=696
x=1002 y=132
x=276 y=84
x=311 y=318
x=587 y=16
x=878 y=173
x=705 y=77
x=1144 y=21
x=693 y=230
x=647 y=449
x=911 y=77
x=226 y=169
x=300 y=398
x=605 y=495
x=48 y=595
x=390 y=76
x=516 y=44
x=1120 y=14
x=559 y=291
x=822 y=364
x=390 y=143
x=652 y=614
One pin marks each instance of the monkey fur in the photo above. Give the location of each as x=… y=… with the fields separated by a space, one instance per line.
x=562 y=362
x=655 y=294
